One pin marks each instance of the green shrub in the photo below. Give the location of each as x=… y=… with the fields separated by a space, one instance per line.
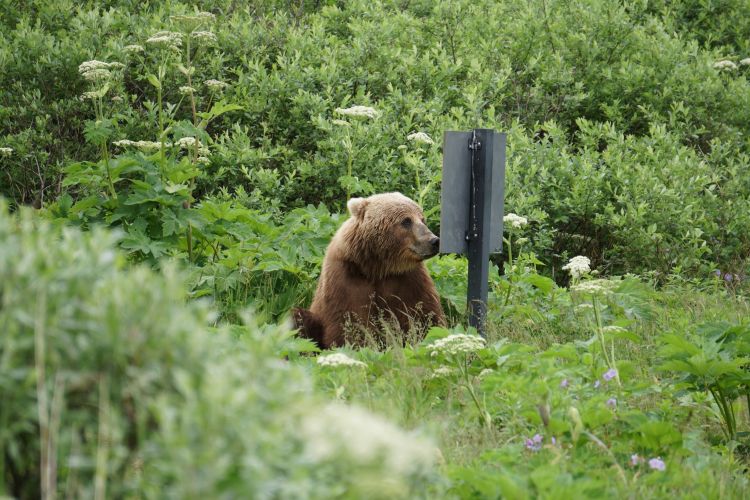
x=113 y=386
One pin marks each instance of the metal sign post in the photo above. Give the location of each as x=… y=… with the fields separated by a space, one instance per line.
x=472 y=199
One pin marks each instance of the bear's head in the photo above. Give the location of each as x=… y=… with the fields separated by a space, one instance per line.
x=387 y=234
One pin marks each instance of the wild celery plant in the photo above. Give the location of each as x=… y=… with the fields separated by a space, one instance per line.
x=456 y=351
x=151 y=195
x=715 y=358
x=354 y=116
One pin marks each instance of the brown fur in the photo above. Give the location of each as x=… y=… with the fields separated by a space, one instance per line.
x=372 y=270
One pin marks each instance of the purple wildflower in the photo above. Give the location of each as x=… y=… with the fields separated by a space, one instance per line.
x=657 y=464
x=554 y=441
x=728 y=277
x=564 y=383
x=635 y=459
x=612 y=403
x=717 y=273
x=610 y=374
x=597 y=384
x=535 y=443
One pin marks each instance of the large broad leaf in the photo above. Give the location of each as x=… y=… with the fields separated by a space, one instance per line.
x=543 y=283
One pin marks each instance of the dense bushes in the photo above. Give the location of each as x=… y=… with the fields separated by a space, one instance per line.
x=122 y=389
x=626 y=95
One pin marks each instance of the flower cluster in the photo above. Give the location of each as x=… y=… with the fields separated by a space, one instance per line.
x=338 y=359
x=578 y=266
x=420 y=137
x=593 y=286
x=216 y=85
x=458 y=343
x=189 y=142
x=6 y=151
x=193 y=20
x=97 y=70
x=725 y=64
x=358 y=111
x=515 y=221
x=186 y=90
x=534 y=443
x=142 y=145
x=364 y=438
x=206 y=37
x=443 y=371
x=166 y=40
x=745 y=62
x=133 y=49
x=609 y=374
x=655 y=463
x=613 y=329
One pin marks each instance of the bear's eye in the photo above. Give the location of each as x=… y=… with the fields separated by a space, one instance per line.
x=406 y=222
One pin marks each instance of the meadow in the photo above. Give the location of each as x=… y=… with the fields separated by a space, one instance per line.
x=170 y=176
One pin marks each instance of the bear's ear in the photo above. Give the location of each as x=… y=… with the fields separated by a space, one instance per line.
x=356 y=207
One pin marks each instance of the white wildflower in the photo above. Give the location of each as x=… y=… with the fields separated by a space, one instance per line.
x=97 y=70
x=203 y=37
x=217 y=85
x=725 y=64
x=186 y=142
x=578 y=266
x=593 y=286
x=145 y=146
x=420 y=137
x=6 y=151
x=341 y=431
x=338 y=359
x=515 y=220
x=581 y=307
x=613 y=329
x=485 y=372
x=342 y=123
x=457 y=343
x=442 y=372
x=166 y=39
x=195 y=20
x=745 y=62
x=133 y=49
x=357 y=111
x=116 y=98
x=203 y=160
x=186 y=90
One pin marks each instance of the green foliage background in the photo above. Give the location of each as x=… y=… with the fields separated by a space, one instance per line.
x=625 y=143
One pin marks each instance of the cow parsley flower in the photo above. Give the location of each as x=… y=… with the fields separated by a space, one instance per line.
x=613 y=329
x=166 y=40
x=342 y=123
x=206 y=37
x=420 y=137
x=194 y=20
x=6 y=151
x=203 y=160
x=593 y=286
x=187 y=90
x=745 y=62
x=458 y=343
x=216 y=85
x=338 y=359
x=515 y=221
x=357 y=111
x=657 y=464
x=442 y=372
x=339 y=430
x=578 y=266
x=133 y=49
x=725 y=64
x=94 y=70
x=145 y=146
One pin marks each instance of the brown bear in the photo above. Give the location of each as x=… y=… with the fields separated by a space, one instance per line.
x=373 y=270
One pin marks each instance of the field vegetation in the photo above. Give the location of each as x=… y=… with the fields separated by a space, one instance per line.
x=171 y=173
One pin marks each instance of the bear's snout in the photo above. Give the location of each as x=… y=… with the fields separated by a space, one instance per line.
x=435 y=244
